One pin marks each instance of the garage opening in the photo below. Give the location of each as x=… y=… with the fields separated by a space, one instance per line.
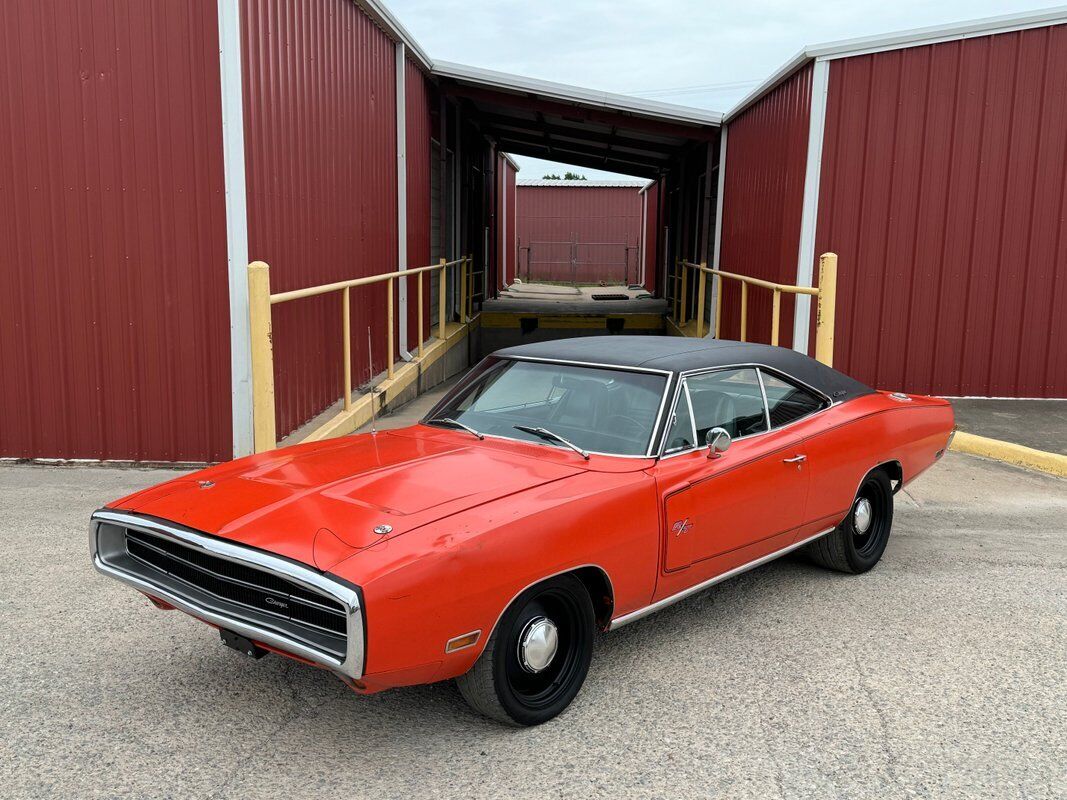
x=558 y=258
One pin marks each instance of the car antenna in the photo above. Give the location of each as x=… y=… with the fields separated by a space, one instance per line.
x=370 y=372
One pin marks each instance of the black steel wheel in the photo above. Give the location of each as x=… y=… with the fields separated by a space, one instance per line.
x=537 y=657
x=858 y=542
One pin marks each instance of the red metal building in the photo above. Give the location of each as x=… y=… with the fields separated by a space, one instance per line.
x=150 y=151
x=933 y=163
x=114 y=318
x=580 y=231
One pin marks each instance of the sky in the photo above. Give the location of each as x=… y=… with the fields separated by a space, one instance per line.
x=691 y=52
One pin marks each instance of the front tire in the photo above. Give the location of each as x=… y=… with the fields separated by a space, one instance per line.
x=858 y=542
x=538 y=656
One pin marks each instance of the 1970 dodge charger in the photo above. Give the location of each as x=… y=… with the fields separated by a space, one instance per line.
x=558 y=489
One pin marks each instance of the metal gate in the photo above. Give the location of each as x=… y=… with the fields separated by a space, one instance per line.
x=579 y=263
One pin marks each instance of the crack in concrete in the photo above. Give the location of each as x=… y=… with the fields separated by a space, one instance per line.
x=910 y=496
x=243 y=760
x=883 y=724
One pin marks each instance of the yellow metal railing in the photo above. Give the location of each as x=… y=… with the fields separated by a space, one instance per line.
x=826 y=294
x=260 y=302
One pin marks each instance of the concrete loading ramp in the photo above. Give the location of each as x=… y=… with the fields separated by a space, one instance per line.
x=520 y=318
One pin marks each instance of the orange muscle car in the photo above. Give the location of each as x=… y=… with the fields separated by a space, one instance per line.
x=558 y=489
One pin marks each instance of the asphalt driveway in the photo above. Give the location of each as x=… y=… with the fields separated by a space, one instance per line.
x=941 y=673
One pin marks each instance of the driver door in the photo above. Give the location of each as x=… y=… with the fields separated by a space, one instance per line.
x=746 y=500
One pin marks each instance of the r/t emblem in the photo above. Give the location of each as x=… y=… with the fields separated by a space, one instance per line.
x=682 y=526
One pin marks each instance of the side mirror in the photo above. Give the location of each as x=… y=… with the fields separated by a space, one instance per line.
x=718 y=442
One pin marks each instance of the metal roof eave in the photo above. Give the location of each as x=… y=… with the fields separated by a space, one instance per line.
x=384 y=18
x=595 y=183
x=518 y=84
x=915 y=37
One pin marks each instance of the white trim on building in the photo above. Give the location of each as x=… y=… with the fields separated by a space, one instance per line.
x=384 y=19
x=520 y=84
x=716 y=260
x=233 y=160
x=916 y=37
x=809 y=217
x=402 y=199
x=640 y=183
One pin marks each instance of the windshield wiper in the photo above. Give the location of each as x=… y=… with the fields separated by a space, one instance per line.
x=455 y=423
x=545 y=433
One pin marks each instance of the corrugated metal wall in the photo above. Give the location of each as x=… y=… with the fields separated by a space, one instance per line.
x=418 y=137
x=943 y=193
x=320 y=134
x=603 y=220
x=114 y=310
x=763 y=197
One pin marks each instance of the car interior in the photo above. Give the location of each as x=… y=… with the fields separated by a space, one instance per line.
x=732 y=399
x=601 y=410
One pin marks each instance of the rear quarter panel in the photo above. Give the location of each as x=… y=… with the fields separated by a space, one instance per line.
x=858 y=435
x=459 y=574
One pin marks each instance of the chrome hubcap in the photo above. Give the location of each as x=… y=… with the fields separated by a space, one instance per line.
x=861 y=516
x=538 y=643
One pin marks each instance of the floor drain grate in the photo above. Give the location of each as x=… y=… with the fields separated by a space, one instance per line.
x=611 y=297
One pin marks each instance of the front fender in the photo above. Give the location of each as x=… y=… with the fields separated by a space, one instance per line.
x=459 y=574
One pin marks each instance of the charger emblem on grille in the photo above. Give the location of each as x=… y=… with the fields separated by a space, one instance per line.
x=273 y=601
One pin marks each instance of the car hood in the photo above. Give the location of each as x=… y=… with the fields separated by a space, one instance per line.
x=321 y=503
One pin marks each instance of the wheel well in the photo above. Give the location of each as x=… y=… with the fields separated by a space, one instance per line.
x=598 y=585
x=894 y=471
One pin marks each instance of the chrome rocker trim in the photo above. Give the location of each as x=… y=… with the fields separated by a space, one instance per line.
x=633 y=616
x=351 y=666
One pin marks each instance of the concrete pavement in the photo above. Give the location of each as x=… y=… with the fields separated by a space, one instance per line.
x=1041 y=424
x=941 y=673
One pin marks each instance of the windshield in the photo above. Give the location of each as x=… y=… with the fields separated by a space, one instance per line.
x=602 y=410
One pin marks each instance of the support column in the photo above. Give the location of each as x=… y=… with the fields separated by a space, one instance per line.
x=820 y=80
x=233 y=160
x=716 y=287
x=402 y=196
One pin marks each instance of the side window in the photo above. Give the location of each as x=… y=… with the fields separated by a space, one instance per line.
x=680 y=435
x=729 y=399
x=787 y=402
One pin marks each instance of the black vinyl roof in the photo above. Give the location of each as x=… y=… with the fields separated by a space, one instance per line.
x=680 y=354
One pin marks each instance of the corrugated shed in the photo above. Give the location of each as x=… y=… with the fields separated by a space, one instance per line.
x=320 y=134
x=418 y=136
x=605 y=222
x=943 y=193
x=114 y=309
x=763 y=198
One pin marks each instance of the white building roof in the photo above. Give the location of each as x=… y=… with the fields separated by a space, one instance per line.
x=915 y=37
x=587 y=184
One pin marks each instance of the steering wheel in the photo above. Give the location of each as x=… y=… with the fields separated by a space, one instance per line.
x=613 y=420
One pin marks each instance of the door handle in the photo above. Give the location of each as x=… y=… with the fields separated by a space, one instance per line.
x=795 y=459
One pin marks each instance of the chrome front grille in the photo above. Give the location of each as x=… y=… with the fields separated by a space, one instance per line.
x=258 y=595
x=228 y=580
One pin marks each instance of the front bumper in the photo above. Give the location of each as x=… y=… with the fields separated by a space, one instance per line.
x=110 y=555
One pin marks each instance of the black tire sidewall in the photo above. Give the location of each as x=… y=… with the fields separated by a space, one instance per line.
x=508 y=630
x=860 y=562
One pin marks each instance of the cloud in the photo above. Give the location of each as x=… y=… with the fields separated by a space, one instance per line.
x=633 y=46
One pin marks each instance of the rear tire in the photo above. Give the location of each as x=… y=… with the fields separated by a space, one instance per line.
x=538 y=656
x=858 y=542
